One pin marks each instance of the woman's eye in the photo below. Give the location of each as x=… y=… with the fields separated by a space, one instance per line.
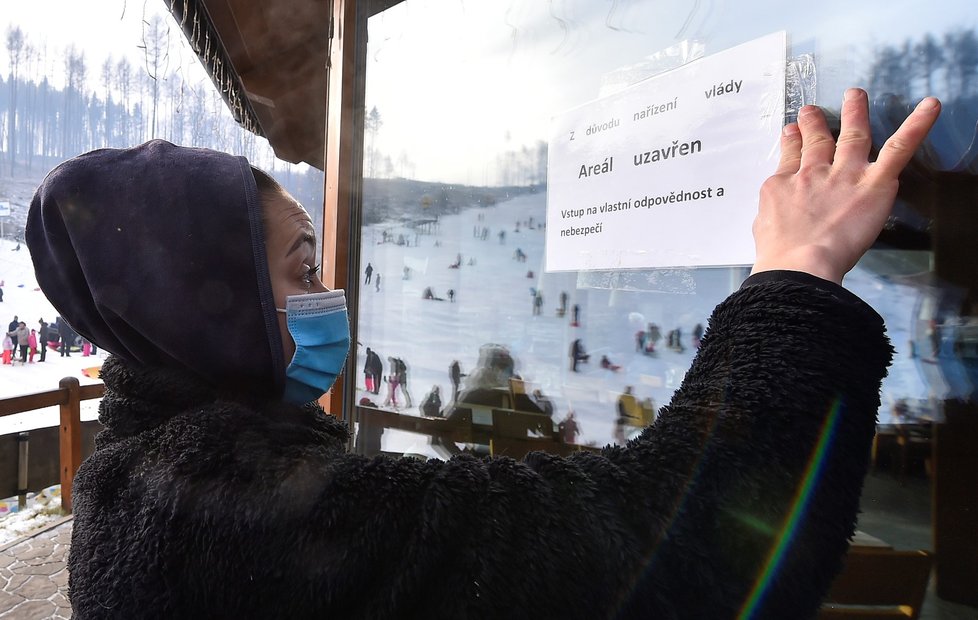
x=308 y=276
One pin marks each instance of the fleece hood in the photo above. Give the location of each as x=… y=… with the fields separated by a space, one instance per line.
x=157 y=254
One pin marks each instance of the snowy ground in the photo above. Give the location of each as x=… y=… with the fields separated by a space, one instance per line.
x=494 y=305
x=42 y=508
x=23 y=299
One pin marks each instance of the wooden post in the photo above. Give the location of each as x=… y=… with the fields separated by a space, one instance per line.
x=955 y=505
x=70 y=438
x=23 y=458
x=955 y=490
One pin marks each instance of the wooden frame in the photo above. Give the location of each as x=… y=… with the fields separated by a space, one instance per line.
x=342 y=178
x=879 y=583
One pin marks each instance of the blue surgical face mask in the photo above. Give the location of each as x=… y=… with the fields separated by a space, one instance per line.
x=321 y=331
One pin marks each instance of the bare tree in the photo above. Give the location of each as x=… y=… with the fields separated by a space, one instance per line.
x=175 y=89
x=31 y=120
x=75 y=73
x=50 y=129
x=372 y=123
x=156 y=56
x=890 y=71
x=198 y=116
x=929 y=56
x=123 y=82
x=15 y=52
x=217 y=137
x=94 y=108
x=541 y=163
x=405 y=168
x=962 y=46
x=108 y=73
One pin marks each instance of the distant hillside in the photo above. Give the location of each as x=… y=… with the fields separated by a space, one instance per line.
x=306 y=187
x=18 y=192
x=403 y=199
x=383 y=199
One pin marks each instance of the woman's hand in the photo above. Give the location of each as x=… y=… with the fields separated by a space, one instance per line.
x=826 y=203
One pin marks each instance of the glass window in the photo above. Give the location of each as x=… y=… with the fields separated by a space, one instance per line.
x=459 y=101
x=476 y=347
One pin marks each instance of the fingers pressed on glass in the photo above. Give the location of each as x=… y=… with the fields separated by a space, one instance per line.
x=790 y=149
x=855 y=139
x=817 y=146
x=900 y=147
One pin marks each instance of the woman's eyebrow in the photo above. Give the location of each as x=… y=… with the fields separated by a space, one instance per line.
x=304 y=238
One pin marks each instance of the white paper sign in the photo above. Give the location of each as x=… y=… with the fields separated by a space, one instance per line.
x=4 y=208
x=666 y=173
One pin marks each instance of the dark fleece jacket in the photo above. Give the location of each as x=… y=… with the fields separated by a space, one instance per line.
x=740 y=498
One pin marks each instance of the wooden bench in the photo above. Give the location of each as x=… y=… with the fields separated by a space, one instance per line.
x=879 y=584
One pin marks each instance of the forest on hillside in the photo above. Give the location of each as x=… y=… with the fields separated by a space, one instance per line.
x=55 y=105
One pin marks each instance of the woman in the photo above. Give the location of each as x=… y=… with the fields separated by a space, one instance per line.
x=21 y=337
x=214 y=493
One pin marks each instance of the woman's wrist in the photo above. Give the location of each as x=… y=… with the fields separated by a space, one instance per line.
x=811 y=260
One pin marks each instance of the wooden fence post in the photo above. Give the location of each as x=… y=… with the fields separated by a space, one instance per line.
x=70 y=438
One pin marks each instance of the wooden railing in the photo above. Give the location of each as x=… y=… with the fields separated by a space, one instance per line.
x=68 y=397
x=505 y=435
x=501 y=439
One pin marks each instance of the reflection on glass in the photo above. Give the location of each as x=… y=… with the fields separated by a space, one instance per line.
x=507 y=358
x=456 y=305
